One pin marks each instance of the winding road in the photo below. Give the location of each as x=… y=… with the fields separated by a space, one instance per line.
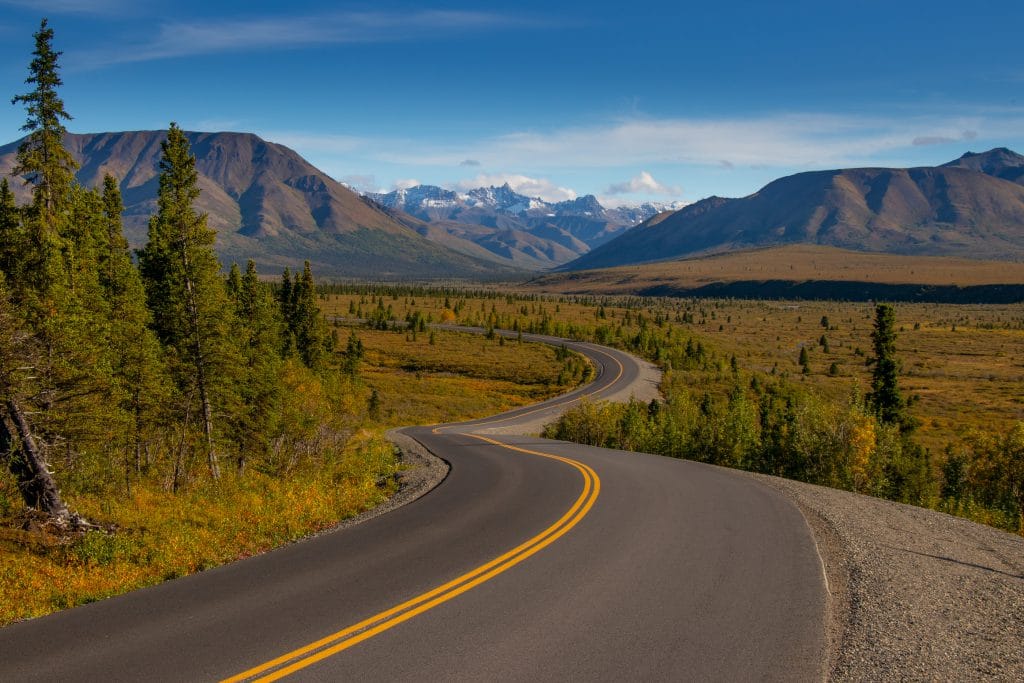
x=534 y=560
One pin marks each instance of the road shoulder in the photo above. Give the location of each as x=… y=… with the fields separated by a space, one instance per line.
x=914 y=594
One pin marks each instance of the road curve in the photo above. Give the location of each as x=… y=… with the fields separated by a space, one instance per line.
x=533 y=560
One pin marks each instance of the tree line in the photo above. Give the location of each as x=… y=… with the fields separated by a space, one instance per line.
x=113 y=372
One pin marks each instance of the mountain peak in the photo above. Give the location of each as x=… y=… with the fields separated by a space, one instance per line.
x=999 y=162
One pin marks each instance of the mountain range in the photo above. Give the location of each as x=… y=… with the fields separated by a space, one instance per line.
x=972 y=207
x=268 y=203
x=527 y=231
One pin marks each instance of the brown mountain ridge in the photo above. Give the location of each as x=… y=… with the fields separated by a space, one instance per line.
x=970 y=208
x=267 y=203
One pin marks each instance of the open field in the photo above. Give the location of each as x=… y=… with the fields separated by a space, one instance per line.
x=964 y=364
x=797 y=263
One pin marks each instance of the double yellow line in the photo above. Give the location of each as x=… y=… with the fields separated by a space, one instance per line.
x=334 y=643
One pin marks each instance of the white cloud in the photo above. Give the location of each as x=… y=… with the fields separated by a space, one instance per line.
x=787 y=140
x=362 y=183
x=182 y=39
x=643 y=184
x=406 y=183
x=524 y=185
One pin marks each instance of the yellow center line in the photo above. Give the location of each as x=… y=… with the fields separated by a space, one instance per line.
x=342 y=640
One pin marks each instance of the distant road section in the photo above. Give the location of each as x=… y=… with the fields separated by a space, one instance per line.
x=533 y=560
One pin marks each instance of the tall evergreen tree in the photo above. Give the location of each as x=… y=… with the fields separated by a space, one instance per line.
x=312 y=338
x=54 y=305
x=42 y=159
x=259 y=332
x=187 y=294
x=885 y=397
x=139 y=373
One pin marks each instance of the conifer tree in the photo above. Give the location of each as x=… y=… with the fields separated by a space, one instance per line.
x=53 y=302
x=312 y=339
x=41 y=158
x=885 y=397
x=139 y=373
x=259 y=332
x=186 y=293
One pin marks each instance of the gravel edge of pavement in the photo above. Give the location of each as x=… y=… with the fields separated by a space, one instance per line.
x=914 y=594
x=421 y=473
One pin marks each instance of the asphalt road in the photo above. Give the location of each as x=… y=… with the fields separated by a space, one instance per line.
x=534 y=560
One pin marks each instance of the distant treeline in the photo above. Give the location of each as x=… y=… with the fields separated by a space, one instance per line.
x=842 y=290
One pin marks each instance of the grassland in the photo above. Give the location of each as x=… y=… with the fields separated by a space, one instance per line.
x=963 y=365
x=161 y=535
x=797 y=263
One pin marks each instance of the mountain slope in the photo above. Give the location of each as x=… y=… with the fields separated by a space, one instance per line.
x=267 y=203
x=953 y=210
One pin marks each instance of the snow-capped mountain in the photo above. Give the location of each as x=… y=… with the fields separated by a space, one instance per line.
x=527 y=231
x=426 y=201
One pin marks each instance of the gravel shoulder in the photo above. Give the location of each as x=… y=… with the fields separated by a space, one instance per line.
x=914 y=594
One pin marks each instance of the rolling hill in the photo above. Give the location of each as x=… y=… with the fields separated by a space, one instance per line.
x=268 y=203
x=971 y=208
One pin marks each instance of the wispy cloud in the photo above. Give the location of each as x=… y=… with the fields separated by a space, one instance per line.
x=184 y=39
x=788 y=140
x=927 y=140
x=644 y=183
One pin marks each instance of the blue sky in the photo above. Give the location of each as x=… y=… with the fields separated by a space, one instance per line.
x=628 y=101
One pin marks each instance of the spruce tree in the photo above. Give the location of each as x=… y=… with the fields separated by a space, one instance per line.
x=259 y=332
x=139 y=373
x=312 y=339
x=42 y=159
x=187 y=296
x=885 y=397
x=53 y=300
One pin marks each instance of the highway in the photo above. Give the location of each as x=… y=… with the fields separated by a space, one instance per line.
x=534 y=560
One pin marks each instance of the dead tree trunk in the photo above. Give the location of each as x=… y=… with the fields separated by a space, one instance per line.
x=26 y=462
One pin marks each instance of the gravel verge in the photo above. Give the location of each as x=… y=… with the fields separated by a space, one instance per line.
x=914 y=594
x=421 y=472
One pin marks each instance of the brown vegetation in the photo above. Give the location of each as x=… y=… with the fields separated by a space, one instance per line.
x=795 y=263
